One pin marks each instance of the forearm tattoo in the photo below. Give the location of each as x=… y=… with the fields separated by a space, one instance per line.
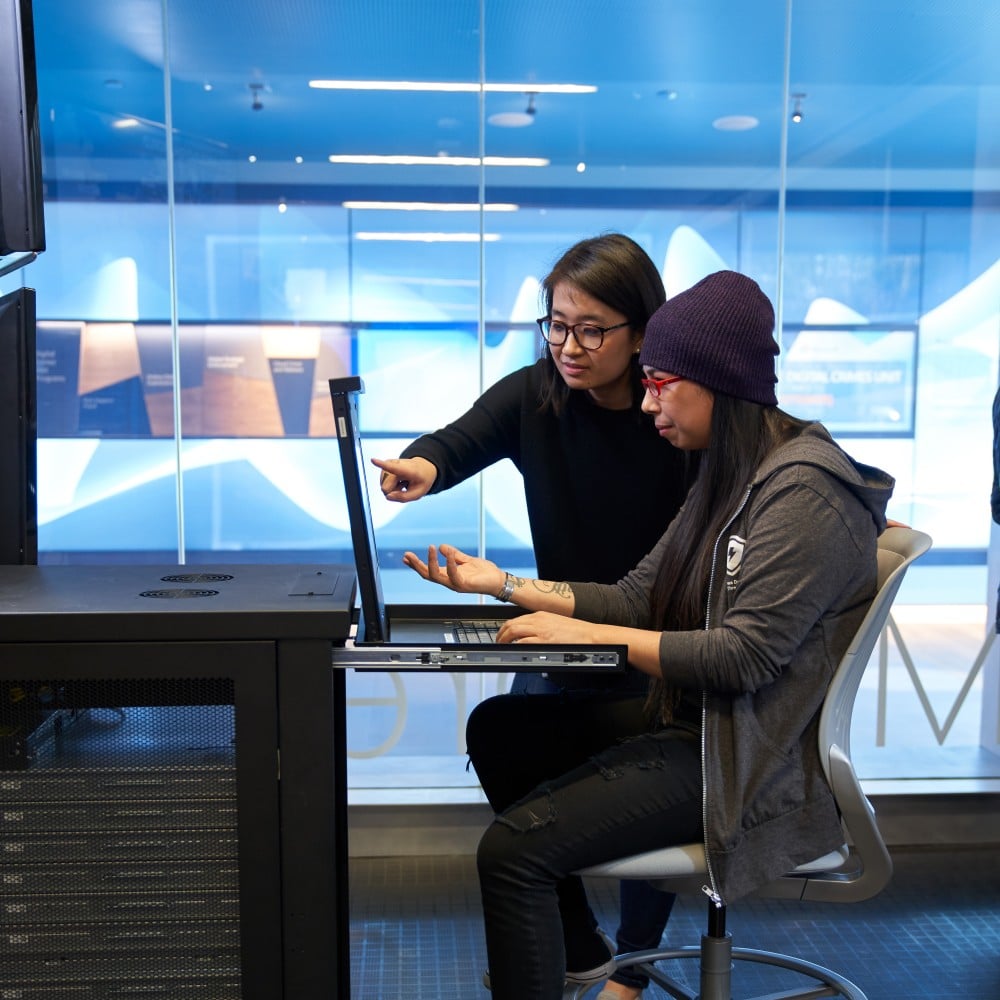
x=561 y=590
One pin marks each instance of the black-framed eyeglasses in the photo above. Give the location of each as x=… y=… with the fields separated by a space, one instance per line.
x=587 y=335
x=654 y=385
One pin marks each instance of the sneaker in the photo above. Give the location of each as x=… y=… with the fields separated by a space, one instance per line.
x=589 y=976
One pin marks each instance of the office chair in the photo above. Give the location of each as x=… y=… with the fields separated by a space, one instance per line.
x=853 y=873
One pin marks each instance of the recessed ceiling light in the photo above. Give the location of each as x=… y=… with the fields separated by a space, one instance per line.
x=516 y=119
x=735 y=123
x=511 y=119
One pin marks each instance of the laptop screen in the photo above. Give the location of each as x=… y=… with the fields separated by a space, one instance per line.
x=373 y=626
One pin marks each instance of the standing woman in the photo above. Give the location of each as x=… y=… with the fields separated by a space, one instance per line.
x=739 y=615
x=571 y=423
x=600 y=482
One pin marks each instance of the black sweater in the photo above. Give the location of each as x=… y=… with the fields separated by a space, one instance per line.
x=601 y=485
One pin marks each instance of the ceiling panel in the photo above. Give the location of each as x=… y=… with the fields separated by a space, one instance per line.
x=900 y=86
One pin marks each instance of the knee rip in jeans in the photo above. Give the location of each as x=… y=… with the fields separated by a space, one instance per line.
x=524 y=818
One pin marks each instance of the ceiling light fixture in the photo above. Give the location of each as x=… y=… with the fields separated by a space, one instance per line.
x=428 y=237
x=435 y=161
x=797 y=107
x=735 y=123
x=428 y=206
x=456 y=87
x=256 y=103
x=516 y=119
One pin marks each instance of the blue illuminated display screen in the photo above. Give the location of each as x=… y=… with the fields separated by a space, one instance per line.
x=859 y=381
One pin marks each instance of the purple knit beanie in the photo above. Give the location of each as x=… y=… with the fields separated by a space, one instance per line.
x=718 y=333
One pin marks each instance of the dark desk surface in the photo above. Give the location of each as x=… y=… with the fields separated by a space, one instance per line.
x=141 y=603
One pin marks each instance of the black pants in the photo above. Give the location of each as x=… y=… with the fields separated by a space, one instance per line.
x=643 y=911
x=575 y=780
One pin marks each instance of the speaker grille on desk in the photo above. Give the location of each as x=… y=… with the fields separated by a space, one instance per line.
x=178 y=592
x=118 y=840
x=197 y=578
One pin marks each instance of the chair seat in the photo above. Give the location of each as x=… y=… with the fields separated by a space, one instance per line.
x=686 y=860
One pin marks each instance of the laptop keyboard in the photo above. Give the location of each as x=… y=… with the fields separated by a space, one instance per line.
x=475 y=631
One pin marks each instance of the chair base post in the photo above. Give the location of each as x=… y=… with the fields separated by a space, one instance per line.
x=716 y=967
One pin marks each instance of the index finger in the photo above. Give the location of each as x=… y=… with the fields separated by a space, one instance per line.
x=386 y=465
x=414 y=561
x=515 y=629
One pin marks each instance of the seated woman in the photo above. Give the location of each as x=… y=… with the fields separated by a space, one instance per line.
x=739 y=615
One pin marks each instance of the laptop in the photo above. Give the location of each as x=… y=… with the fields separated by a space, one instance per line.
x=428 y=636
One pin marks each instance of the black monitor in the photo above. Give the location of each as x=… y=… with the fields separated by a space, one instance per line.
x=22 y=227
x=18 y=507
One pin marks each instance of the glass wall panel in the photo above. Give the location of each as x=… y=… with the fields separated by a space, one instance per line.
x=891 y=194
x=104 y=491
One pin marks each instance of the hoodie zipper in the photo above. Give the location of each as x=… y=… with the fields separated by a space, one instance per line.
x=712 y=889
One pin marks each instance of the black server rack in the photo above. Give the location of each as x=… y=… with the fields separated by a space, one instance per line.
x=172 y=787
x=120 y=837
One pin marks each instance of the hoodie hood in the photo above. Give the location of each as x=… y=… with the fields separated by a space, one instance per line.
x=814 y=446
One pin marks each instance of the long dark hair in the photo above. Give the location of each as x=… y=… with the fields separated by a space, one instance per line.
x=614 y=269
x=742 y=435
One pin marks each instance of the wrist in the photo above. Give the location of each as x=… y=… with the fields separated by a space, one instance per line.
x=507 y=590
x=428 y=471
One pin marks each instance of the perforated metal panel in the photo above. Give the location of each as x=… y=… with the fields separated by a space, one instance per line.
x=119 y=875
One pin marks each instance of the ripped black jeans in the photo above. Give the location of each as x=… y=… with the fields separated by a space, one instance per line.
x=575 y=779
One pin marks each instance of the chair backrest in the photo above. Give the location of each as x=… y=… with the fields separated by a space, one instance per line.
x=898 y=547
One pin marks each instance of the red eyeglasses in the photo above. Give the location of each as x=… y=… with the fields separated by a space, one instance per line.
x=654 y=385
